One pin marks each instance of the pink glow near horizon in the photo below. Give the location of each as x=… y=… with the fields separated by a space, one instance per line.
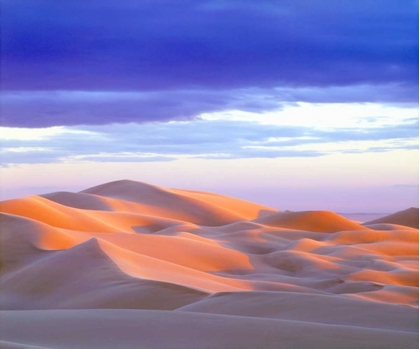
x=373 y=185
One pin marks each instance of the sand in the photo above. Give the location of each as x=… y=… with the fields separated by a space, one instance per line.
x=132 y=265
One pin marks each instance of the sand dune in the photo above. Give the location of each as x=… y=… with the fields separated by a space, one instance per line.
x=409 y=218
x=128 y=265
x=318 y=221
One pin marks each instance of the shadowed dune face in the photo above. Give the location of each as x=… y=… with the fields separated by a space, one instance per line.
x=130 y=245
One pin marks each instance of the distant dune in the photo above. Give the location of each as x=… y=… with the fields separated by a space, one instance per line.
x=409 y=218
x=132 y=265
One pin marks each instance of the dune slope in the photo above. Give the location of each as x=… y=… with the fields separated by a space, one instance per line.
x=128 y=264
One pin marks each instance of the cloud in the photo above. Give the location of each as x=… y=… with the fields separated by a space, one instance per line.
x=47 y=108
x=70 y=108
x=218 y=139
x=201 y=44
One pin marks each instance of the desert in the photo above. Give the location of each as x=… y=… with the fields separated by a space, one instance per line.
x=128 y=264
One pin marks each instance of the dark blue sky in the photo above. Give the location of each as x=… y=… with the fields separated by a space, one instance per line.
x=188 y=57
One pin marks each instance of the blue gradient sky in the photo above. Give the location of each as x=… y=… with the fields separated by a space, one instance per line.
x=296 y=104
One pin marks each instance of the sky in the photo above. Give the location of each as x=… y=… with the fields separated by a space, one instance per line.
x=295 y=104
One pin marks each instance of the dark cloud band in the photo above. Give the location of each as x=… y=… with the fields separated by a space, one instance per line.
x=34 y=109
x=161 y=45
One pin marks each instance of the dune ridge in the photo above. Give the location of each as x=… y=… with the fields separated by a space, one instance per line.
x=201 y=270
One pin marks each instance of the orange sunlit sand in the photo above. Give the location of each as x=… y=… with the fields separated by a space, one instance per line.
x=132 y=265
